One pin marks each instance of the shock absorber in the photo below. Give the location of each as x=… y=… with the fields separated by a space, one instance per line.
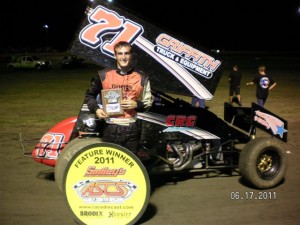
x=207 y=148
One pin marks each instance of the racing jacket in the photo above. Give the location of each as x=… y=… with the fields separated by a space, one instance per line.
x=134 y=84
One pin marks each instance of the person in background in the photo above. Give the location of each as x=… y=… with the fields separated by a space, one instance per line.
x=264 y=84
x=234 y=79
x=121 y=129
x=198 y=102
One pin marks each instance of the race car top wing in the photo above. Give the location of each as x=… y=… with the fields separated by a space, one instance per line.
x=165 y=57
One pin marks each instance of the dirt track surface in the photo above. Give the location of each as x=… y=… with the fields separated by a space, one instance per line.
x=29 y=194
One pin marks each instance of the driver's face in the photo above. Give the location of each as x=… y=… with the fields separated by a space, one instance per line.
x=124 y=57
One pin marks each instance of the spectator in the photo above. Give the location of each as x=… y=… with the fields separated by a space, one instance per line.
x=121 y=129
x=264 y=84
x=198 y=102
x=234 y=79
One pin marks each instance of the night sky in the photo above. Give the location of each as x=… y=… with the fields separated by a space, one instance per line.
x=226 y=25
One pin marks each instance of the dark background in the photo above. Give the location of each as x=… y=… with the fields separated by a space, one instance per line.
x=225 y=25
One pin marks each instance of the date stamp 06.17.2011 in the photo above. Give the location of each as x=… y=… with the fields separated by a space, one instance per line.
x=253 y=195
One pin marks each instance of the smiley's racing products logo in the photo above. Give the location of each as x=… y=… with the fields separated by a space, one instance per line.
x=92 y=171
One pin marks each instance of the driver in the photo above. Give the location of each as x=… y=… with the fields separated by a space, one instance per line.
x=136 y=97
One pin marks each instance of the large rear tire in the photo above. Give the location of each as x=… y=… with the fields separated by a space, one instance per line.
x=263 y=163
x=67 y=153
x=102 y=183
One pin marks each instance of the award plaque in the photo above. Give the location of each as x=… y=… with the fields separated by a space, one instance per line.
x=111 y=100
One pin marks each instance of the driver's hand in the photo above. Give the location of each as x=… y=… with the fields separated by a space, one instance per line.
x=101 y=114
x=128 y=104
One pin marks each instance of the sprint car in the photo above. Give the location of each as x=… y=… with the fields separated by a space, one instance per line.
x=175 y=136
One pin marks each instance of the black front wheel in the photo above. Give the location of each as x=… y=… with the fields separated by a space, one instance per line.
x=263 y=163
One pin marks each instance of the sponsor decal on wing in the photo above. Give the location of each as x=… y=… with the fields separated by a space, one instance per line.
x=177 y=57
x=270 y=122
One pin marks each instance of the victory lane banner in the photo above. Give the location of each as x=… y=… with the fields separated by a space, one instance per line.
x=106 y=184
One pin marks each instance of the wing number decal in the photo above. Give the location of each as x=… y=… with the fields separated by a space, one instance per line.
x=105 y=22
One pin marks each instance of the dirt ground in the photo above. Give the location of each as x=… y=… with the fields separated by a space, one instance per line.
x=29 y=194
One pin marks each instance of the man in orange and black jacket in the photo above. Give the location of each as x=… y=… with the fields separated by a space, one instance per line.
x=136 y=97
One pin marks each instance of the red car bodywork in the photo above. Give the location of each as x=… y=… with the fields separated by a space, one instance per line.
x=53 y=141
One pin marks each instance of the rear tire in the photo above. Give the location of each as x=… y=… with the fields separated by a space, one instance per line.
x=67 y=153
x=92 y=174
x=263 y=163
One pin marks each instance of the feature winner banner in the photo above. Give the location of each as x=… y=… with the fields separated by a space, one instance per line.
x=106 y=184
x=165 y=57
